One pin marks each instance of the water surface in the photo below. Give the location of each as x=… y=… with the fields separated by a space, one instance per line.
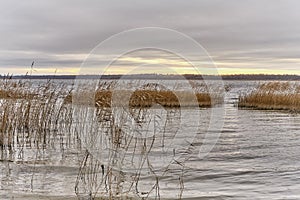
x=256 y=157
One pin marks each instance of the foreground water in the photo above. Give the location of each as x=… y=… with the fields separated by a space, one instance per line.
x=256 y=157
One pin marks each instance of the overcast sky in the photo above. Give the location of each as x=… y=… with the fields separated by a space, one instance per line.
x=249 y=36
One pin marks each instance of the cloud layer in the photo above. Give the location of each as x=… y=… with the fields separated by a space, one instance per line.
x=251 y=36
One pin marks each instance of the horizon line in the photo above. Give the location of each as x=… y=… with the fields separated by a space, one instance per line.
x=151 y=74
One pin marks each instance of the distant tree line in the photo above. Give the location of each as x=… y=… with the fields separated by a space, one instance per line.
x=160 y=76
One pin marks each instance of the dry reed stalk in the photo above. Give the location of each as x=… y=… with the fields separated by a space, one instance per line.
x=28 y=114
x=273 y=96
x=106 y=180
x=35 y=115
x=147 y=98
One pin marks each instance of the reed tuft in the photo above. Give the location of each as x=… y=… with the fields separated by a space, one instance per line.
x=273 y=96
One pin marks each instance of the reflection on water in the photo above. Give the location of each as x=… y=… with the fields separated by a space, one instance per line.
x=256 y=157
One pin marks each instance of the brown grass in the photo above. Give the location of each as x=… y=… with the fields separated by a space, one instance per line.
x=42 y=116
x=6 y=94
x=273 y=96
x=28 y=114
x=14 y=90
x=34 y=111
x=147 y=98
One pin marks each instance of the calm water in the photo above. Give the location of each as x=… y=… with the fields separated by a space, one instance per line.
x=256 y=157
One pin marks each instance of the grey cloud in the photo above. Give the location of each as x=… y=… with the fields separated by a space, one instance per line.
x=230 y=30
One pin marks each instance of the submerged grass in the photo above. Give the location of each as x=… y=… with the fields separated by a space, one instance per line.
x=41 y=116
x=28 y=114
x=273 y=96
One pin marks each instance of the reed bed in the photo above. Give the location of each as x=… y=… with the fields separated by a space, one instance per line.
x=28 y=114
x=15 y=90
x=273 y=96
x=117 y=170
x=147 y=98
x=42 y=116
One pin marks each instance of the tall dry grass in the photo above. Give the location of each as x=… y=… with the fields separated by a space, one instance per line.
x=33 y=116
x=273 y=96
x=127 y=155
x=147 y=97
x=28 y=114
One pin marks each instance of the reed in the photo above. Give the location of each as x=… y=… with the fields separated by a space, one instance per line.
x=147 y=98
x=29 y=113
x=125 y=161
x=273 y=96
x=42 y=116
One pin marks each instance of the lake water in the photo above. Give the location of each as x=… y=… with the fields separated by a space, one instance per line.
x=256 y=156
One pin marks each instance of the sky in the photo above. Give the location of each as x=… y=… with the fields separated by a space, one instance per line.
x=241 y=37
